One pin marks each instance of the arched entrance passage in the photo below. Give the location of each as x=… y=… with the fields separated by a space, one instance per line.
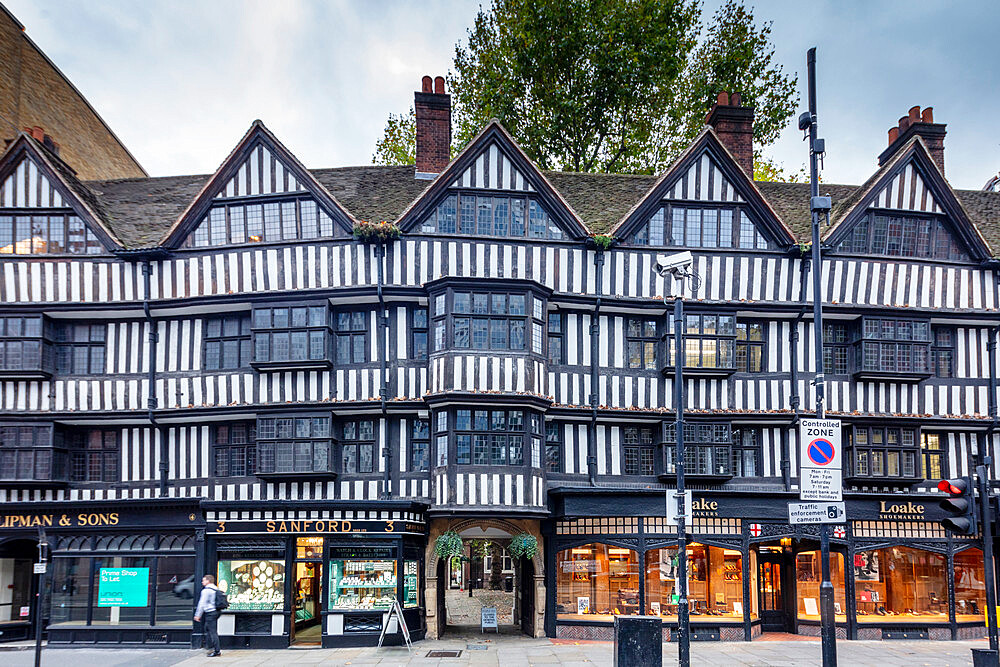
x=520 y=601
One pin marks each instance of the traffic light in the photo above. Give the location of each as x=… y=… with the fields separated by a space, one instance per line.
x=961 y=505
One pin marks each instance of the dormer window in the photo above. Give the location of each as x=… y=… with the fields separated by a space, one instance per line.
x=503 y=216
x=686 y=226
x=57 y=232
x=239 y=223
x=902 y=235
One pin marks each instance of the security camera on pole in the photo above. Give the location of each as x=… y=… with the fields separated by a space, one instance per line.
x=679 y=266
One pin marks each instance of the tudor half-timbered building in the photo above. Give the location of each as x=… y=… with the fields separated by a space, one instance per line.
x=214 y=374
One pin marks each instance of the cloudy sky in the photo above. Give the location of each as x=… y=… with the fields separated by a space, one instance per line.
x=180 y=81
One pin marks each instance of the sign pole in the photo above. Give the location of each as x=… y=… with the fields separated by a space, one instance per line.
x=683 y=620
x=817 y=204
x=40 y=597
x=986 y=514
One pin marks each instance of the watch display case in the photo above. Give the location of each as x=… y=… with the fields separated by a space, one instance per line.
x=362 y=584
x=253 y=585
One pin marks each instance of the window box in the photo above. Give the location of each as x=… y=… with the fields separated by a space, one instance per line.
x=708 y=452
x=296 y=338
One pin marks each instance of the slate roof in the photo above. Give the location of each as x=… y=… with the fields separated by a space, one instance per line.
x=140 y=210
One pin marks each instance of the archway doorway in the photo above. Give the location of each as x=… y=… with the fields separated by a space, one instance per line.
x=486 y=576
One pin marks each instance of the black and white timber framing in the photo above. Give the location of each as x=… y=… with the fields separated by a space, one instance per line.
x=157 y=394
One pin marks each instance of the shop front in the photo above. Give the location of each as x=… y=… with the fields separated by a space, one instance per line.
x=895 y=571
x=309 y=576
x=119 y=574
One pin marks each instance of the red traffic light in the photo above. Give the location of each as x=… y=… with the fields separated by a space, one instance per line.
x=955 y=487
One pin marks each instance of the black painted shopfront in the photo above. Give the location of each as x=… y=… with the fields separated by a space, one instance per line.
x=896 y=572
x=309 y=575
x=89 y=546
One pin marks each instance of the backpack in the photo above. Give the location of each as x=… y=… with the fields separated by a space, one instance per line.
x=221 y=601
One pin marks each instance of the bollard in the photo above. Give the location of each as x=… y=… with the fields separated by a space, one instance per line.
x=984 y=657
x=638 y=641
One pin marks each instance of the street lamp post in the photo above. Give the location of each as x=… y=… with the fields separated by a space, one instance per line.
x=679 y=267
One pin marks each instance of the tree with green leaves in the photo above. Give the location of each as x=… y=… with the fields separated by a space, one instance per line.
x=606 y=85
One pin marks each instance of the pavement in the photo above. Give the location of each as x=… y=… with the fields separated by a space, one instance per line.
x=512 y=650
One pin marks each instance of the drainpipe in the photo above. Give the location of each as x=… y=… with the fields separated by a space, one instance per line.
x=383 y=338
x=151 y=403
x=595 y=330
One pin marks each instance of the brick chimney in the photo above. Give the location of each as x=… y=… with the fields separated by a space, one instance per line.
x=433 y=112
x=920 y=123
x=39 y=135
x=734 y=125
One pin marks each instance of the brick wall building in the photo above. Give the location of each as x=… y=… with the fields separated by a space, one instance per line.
x=34 y=93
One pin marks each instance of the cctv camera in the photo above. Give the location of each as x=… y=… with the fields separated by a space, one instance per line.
x=677 y=265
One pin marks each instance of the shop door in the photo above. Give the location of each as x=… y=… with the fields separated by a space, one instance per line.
x=442 y=608
x=773 y=615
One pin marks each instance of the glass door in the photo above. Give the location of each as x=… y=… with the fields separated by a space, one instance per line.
x=772 y=601
x=307 y=594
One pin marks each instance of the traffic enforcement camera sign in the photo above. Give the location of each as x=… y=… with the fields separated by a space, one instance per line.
x=821 y=477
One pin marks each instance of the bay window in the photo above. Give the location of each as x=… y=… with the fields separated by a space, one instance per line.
x=469 y=319
x=894 y=347
x=291 y=337
x=26 y=347
x=707 y=449
x=883 y=453
x=298 y=446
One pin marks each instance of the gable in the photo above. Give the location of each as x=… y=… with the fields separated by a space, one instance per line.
x=908 y=210
x=39 y=214
x=705 y=200
x=260 y=194
x=492 y=189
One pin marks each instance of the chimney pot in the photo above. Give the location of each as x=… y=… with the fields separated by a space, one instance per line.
x=433 y=116
x=921 y=124
x=734 y=99
x=722 y=99
x=37 y=133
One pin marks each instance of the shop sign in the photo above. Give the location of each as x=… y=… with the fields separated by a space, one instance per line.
x=816 y=513
x=821 y=477
x=898 y=510
x=123 y=587
x=59 y=520
x=312 y=526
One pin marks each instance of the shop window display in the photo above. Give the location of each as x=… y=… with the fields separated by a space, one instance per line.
x=174 y=589
x=596 y=582
x=900 y=582
x=808 y=576
x=253 y=585
x=715 y=583
x=970 y=586
x=411 y=584
x=362 y=584
x=71 y=579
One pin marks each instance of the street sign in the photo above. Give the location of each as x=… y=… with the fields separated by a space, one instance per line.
x=817 y=513
x=39 y=568
x=821 y=477
x=672 y=507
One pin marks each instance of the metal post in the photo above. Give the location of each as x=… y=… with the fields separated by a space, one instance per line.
x=683 y=621
x=40 y=597
x=986 y=518
x=828 y=632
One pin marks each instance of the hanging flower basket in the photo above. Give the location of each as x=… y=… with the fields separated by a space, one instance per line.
x=523 y=545
x=448 y=545
x=376 y=232
x=602 y=241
